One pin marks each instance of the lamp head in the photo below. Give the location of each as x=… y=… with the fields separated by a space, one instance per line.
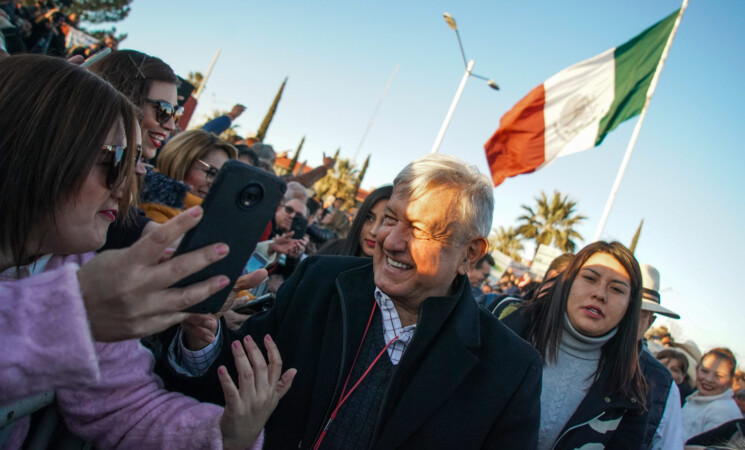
x=493 y=85
x=450 y=21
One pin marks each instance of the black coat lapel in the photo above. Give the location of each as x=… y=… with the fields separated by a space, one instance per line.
x=434 y=365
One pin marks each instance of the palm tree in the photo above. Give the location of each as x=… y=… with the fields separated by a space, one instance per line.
x=340 y=182
x=507 y=241
x=552 y=221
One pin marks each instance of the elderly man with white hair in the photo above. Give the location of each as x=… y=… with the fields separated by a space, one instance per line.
x=394 y=353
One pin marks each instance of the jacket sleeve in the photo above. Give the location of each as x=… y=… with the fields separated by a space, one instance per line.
x=129 y=408
x=47 y=343
x=519 y=423
x=217 y=125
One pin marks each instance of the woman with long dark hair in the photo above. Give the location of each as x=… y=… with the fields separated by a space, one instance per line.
x=361 y=238
x=585 y=327
x=67 y=158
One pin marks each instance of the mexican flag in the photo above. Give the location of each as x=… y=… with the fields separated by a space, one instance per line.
x=573 y=110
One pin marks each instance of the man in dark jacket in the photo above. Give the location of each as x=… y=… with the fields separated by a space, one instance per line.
x=396 y=353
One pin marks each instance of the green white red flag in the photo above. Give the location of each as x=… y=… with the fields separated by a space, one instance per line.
x=573 y=110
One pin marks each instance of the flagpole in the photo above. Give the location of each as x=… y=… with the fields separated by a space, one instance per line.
x=375 y=112
x=207 y=75
x=637 y=128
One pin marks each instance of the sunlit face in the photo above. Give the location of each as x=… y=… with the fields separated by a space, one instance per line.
x=155 y=134
x=713 y=375
x=203 y=171
x=599 y=295
x=673 y=365
x=415 y=257
x=369 y=232
x=83 y=220
x=287 y=211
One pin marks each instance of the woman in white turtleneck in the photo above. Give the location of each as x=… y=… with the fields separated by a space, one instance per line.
x=585 y=327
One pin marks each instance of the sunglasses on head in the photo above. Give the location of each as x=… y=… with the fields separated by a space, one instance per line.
x=114 y=156
x=164 y=111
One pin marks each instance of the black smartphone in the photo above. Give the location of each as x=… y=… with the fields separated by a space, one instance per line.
x=298 y=227
x=237 y=209
x=256 y=305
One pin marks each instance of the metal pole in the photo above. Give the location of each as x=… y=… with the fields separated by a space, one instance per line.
x=456 y=99
x=637 y=128
x=375 y=112
x=207 y=75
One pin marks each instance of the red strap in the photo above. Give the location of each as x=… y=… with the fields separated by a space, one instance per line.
x=344 y=397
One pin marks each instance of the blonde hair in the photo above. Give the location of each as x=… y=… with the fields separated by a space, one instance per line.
x=178 y=155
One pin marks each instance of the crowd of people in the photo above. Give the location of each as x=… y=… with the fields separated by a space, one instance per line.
x=383 y=332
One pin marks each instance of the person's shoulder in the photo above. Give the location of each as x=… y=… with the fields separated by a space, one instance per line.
x=503 y=342
x=334 y=263
x=650 y=365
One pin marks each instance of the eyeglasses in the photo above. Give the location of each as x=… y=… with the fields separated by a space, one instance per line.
x=210 y=171
x=114 y=156
x=164 y=111
x=290 y=210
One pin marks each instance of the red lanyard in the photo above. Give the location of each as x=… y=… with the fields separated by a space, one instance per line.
x=344 y=397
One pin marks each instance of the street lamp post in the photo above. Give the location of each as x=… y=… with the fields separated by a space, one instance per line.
x=469 y=67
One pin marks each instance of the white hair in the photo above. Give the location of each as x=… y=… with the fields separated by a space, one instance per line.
x=473 y=208
x=297 y=191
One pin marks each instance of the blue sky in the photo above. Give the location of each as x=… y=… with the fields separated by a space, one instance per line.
x=684 y=176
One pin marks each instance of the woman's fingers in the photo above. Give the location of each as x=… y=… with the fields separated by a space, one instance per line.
x=285 y=383
x=246 y=381
x=232 y=396
x=258 y=363
x=275 y=360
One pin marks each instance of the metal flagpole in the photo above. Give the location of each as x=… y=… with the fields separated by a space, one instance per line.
x=637 y=128
x=207 y=75
x=375 y=112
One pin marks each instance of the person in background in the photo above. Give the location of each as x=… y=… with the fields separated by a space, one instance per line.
x=477 y=275
x=712 y=404
x=221 y=123
x=185 y=170
x=664 y=427
x=585 y=326
x=247 y=155
x=362 y=237
x=152 y=86
x=677 y=363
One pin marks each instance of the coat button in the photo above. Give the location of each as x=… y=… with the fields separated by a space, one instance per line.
x=633 y=400
x=607 y=399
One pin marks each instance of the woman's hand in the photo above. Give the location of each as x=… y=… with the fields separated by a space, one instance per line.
x=127 y=292
x=260 y=387
x=200 y=330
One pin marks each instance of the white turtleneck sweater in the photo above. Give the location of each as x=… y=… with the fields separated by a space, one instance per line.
x=566 y=382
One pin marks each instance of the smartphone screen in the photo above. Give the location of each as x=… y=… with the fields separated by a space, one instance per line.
x=237 y=209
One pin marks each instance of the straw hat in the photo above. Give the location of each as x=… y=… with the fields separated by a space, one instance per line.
x=651 y=292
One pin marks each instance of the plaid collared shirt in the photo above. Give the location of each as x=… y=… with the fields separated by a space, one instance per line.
x=392 y=327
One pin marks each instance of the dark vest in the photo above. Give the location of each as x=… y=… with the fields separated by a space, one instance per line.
x=659 y=382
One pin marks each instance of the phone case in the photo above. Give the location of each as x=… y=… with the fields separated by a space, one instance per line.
x=298 y=227
x=237 y=209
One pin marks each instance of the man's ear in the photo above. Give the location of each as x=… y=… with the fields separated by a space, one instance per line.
x=475 y=249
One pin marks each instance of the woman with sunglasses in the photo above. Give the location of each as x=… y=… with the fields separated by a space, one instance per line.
x=64 y=195
x=152 y=86
x=585 y=327
x=185 y=170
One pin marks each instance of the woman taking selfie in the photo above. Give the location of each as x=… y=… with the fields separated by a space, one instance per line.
x=67 y=171
x=585 y=327
x=184 y=173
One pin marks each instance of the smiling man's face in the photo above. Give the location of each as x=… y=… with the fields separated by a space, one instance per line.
x=417 y=255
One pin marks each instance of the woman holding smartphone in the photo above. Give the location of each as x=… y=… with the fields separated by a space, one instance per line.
x=67 y=170
x=585 y=327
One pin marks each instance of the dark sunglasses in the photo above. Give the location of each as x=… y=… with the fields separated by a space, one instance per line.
x=290 y=210
x=164 y=111
x=115 y=154
x=209 y=170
